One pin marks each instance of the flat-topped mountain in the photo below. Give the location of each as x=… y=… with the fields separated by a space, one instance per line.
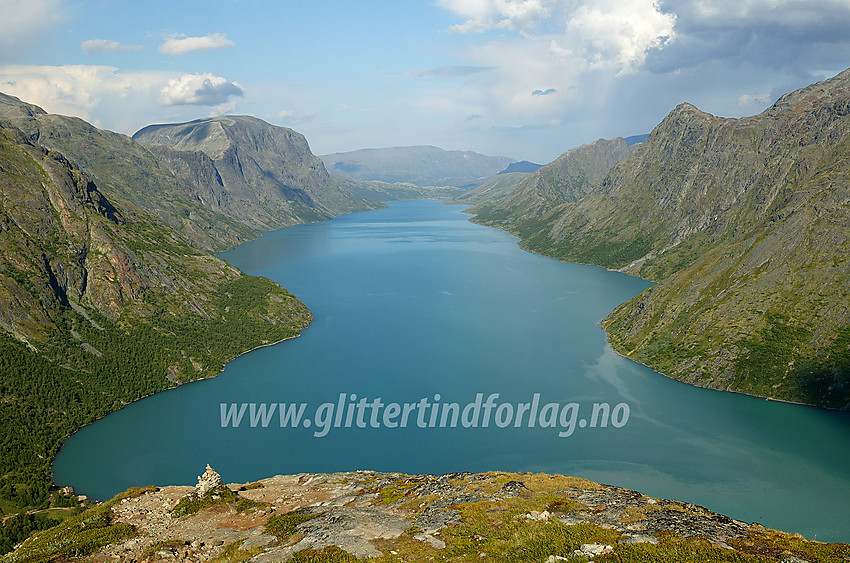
x=745 y=224
x=521 y=166
x=420 y=165
x=260 y=174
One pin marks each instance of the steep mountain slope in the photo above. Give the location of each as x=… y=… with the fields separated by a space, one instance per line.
x=100 y=304
x=262 y=175
x=568 y=178
x=127 y=172
x=746 y=223
x=423 y=165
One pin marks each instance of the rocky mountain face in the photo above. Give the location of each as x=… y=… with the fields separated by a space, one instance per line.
x=127 y=173
x=568 y=178
x=65 y=245
x=421 y=165
x=101 y=301
x=367 y=515
x=259 y=174
x=745 y=223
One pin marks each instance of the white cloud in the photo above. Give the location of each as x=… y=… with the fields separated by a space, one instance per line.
x=290 y=118
x=73 y=89
x=183 y=45
x=115 y=100
x=22 y=21
x=484 y=15
x=753 y=99
x=199 y=89
x=562 y=50
x=617 y=34
x=281 y=115
x=106 y=46
x=447 y=72
x=224 y=108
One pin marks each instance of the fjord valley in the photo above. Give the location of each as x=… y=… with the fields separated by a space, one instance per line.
x=744 y=225
x=109 y=290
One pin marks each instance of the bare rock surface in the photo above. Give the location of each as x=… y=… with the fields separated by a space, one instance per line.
x=401 y=517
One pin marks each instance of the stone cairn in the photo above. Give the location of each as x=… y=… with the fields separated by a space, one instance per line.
x=209 y=481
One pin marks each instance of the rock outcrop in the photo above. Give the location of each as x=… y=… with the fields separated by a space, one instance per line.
x=395 y=517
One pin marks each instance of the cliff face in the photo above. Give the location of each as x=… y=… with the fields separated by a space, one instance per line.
x=102 y=303
x=262 y=175
x=65 y=245
x=745 y=224
x=59 y=242
x=127 y=173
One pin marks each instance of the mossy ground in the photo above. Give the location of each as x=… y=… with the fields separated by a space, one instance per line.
x=78 y=535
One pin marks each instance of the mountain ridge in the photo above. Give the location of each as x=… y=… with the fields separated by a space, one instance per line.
x=101 y=301
x=744 y=224
x=423 y=165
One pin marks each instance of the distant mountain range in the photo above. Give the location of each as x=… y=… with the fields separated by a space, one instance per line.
x=745 y=224
x=421 y=165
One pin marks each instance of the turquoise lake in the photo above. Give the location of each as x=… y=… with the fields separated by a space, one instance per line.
x=415 y=301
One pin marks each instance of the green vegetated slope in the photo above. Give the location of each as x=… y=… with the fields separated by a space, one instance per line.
x=745 y=224
x=261 y=175
x=102 y=303
x=420 y=165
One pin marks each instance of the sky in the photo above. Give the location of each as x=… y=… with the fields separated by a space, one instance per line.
x=528 y=79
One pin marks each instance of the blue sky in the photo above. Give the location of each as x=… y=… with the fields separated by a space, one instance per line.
x=528 y=79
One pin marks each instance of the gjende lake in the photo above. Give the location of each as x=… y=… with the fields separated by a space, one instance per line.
x=438 y=346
